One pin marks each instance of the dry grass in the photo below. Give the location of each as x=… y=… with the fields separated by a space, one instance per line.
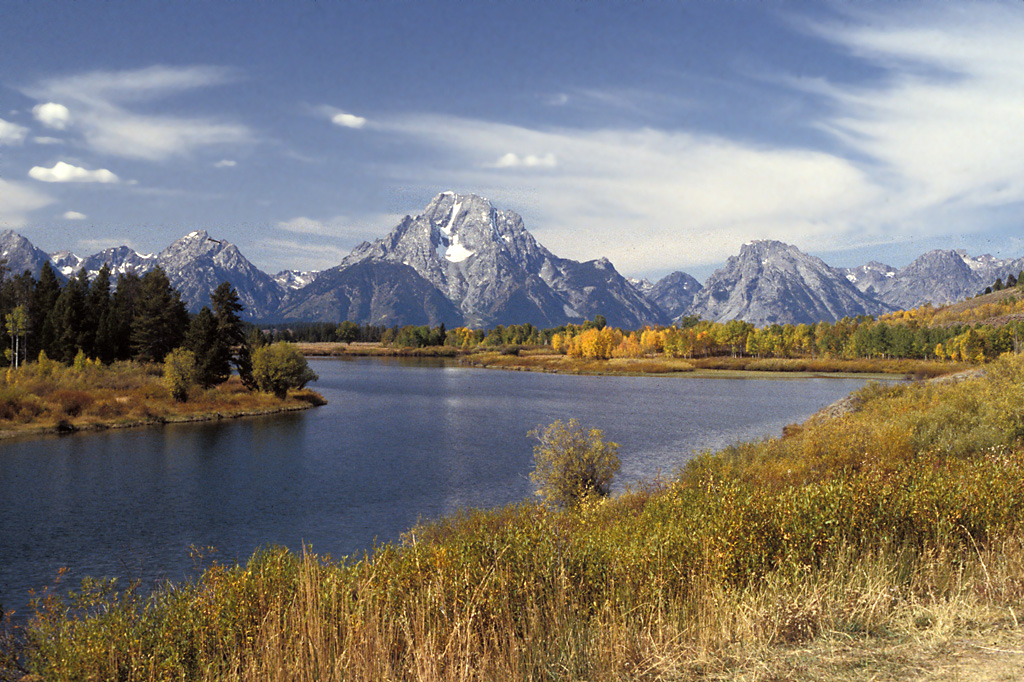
x=47 y=397
x=884 y=544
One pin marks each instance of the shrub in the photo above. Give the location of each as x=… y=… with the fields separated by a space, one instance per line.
x=572 y=464
x=280 y=366
x=179 y=373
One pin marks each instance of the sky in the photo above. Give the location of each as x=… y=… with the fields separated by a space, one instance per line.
x=661 y=135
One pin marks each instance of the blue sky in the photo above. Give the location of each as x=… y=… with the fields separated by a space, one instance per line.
x=662 y=135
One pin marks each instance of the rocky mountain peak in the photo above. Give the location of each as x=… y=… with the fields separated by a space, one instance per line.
x=773 y=282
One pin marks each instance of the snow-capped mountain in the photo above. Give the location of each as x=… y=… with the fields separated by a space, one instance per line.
x=20 y=255
x=197 y=264
x=290 y=280
x=491 y=268
x=771 y=282
x=937 y=277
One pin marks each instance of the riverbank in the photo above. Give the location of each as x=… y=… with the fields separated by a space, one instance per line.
x=882 y=543
x=545 y=360
x=53 y=399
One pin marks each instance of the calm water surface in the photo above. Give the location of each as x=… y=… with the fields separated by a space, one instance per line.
x=399 y=441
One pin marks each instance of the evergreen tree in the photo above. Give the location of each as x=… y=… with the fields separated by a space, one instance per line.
x=212 y=355
x=123 y=308
x=42 y=335
x=100 y=307
x=231 y=331
x=161 y=319
x=69 y=320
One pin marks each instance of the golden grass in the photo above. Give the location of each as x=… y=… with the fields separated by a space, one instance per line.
x=876 y=545
x=48 y=397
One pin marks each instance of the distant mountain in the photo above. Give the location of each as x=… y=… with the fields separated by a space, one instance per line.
x=770 y=282
x=290 y=280
x=371 y=292
x=674 y=293
x=196 y=264
x=937 y=277
x=485 y=262
x=21 y=255
x=872 y=278
x=463 y=261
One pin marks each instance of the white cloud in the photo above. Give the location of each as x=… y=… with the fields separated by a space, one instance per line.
x=647 y=199
x=97 y=244
x=17 y=201
x=225 y=163
x=929 y=146
x=52 y=115
x=368 y=226
x=65 y=172
x=47 y=140
x=108 y=126
x=511 y=160
x=12 y=133
x=347 y=120
x=281 y=254
x=74 y=215
x=303 y=225
x=944 y=124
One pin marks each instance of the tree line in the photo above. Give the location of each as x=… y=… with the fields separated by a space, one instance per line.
x=143 y=319
x=923 y=333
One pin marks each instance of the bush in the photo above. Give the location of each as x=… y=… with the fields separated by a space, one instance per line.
x=280 y=366
x=179 y=373
x=572 y=464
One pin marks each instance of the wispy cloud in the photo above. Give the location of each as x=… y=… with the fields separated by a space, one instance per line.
x=928 y=146
x=12 y=133
x=225 y=163
x=512 y=160
x=17 y=200
x=65 y=172
x=97 y=105
x=645 y=198
x=74 y=215
x=944 y=124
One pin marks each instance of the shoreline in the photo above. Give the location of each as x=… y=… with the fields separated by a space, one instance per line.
x=719 y=367
x=66 y=428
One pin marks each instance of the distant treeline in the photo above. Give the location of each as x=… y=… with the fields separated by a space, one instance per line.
x=923 y=333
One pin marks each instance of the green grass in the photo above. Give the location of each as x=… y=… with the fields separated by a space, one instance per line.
x=899 y=523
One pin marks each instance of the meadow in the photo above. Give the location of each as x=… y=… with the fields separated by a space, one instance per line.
x=882 y=543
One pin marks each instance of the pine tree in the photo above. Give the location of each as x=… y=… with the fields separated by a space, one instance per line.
x=69 y=320
x=42 y=335
x=231 y=331
x=161 y=319
x=212 y=355
x=123 y=307
x=100 y=307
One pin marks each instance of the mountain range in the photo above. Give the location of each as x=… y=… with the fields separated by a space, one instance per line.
x=464 y=262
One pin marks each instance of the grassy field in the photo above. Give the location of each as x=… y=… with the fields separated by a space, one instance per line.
x=885 y=543
x=49 y=397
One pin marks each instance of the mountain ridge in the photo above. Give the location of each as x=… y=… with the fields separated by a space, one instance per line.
x=465 y=261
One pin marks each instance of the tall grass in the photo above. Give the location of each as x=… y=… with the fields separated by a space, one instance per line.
x=902 y=519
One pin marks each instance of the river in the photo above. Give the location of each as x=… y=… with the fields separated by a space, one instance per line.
x=399 y=441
